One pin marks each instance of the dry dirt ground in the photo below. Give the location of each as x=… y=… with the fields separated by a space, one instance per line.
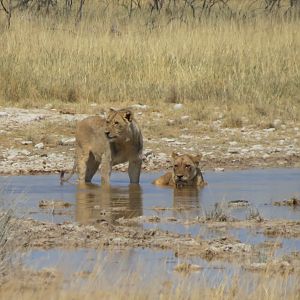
x=42 y=140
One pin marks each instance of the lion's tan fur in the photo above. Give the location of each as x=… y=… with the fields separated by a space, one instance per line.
x=185 y=172
x=111 y=141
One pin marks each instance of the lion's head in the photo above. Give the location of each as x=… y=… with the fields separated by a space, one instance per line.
x=118 y=124
x=185 y=168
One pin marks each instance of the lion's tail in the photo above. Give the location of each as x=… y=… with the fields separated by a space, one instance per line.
x=62 y=174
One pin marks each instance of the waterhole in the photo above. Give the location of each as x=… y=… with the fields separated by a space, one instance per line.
x=237 y=194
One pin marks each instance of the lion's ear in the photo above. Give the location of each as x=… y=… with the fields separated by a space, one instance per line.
x=174 y=155
x=128 y=115
x=196 y=159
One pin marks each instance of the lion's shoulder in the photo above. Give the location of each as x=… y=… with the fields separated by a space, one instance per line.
x=92 y=121
x=166 y=179
x=89 y=131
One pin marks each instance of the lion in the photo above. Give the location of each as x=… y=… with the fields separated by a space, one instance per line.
x=186 y=172
x=107 y=142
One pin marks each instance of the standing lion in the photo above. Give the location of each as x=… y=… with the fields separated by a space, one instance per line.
x=111 y=141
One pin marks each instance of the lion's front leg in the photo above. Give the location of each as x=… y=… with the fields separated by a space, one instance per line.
x=106 y=166
x=134 y=170
x=81 y=158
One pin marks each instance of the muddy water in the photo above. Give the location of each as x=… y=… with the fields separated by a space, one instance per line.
x=93 y=203
x=139 y=264
x=141 y=269
x=90 y=203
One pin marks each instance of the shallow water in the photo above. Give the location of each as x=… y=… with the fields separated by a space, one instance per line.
x=110 y=266
x=93 y=202
x=142 y=269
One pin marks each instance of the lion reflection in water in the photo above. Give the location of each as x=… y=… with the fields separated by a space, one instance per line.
x=95 y=204
x=186 y=202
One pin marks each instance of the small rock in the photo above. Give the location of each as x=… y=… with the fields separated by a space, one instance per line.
x=219 y=169
x=140 y=106
x=233 y=143
x=184 y=118
x=24 y=152
x=179 y=143
x=186 y=136
x=238 y=203
x=257 y=147
x=169 y=140
x=26 y=142
x=48 y=106
x=39 y=146
x=233 y=150
x=170 y=122
x=270 y=129
x=67 y=141
x=178 y=106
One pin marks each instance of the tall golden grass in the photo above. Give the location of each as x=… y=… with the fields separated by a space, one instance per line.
x=246 y=68
x=188 y=286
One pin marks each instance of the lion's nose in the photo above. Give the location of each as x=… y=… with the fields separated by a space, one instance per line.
x=106 y=132
x=179 y=176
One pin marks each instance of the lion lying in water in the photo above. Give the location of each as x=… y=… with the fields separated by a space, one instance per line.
x=186 y=172
x=111 y=141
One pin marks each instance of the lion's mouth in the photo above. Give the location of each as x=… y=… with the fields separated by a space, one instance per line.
x=180 y=183
x=111 y=137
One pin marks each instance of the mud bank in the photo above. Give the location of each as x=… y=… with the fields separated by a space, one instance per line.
x=44 y=235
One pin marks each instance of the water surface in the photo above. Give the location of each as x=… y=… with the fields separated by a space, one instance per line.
x=93 y=202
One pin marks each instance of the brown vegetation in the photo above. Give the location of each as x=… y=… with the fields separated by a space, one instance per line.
x=246 y=66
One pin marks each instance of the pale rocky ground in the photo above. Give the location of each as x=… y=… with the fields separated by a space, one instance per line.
x=42 y=140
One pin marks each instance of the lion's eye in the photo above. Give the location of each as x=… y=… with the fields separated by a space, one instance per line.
x=175 y=166
x=116 y=123
x=187 y=166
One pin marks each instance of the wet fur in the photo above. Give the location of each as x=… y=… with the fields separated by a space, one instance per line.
x=186 y=172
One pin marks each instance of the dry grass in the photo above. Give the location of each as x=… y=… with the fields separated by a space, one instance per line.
x=49 y=284
x=245 y=69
